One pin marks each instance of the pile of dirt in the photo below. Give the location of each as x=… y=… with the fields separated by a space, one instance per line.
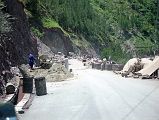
x=56 y=73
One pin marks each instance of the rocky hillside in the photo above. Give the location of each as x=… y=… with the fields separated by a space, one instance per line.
x=57 y=41
x=16 y=44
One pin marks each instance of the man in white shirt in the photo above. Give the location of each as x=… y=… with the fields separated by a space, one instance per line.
x=66 y=62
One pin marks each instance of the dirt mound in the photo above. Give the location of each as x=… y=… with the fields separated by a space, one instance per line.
x=56 y=73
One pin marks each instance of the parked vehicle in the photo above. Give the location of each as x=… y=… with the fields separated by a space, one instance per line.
x=7 y=112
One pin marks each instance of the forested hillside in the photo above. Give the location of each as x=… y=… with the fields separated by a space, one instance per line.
x=117 y=28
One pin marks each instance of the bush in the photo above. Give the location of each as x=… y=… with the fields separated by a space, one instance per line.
x=116 y=54
x=51 y=23
x=37 y=32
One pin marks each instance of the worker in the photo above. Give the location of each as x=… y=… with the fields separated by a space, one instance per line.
x=66 y=62
x=103 y=63
x=31 y=60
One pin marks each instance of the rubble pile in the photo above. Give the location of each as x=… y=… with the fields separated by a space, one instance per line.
x=135 y=67
x=144 y=68
x=150 y=68
x=56 y=73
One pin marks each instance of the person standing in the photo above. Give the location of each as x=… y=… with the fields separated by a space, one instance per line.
x=66 y=62
x=31 y=60
x=103 y=64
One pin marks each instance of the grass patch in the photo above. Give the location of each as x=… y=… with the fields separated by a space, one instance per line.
x=51 y=23
x=37 y=32
x=23 y=1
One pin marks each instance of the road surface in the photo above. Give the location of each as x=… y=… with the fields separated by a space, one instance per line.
x=97 y=95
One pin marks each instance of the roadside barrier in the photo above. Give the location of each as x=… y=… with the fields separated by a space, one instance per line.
x=27 y=84
x=40 y=86
x=108 y=66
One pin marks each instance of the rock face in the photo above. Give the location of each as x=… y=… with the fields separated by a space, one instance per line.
x=43 y=49
x=16 y=45
x=56 y=40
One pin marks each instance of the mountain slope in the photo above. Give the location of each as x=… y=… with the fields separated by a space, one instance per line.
x=105 y=23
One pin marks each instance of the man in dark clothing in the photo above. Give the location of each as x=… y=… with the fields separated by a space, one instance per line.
x=31 y=60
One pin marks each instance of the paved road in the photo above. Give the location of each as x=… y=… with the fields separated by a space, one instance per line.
x=97 y=95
